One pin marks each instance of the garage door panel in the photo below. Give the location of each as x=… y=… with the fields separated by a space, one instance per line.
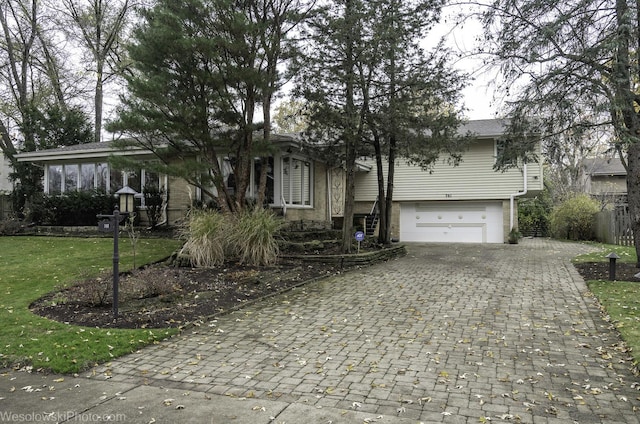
x=451 y=233
x=452 y=222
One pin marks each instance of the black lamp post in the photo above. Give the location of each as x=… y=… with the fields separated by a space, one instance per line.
x=126 y=196
x=612 y=265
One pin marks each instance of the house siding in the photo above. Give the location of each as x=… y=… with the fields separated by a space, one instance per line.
x=181 y=196
x=604 y=185
x=473 y=179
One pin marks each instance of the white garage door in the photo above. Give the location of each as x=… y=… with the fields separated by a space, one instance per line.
x=452 y=222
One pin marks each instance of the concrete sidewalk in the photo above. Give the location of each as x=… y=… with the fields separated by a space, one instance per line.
x=449 y=333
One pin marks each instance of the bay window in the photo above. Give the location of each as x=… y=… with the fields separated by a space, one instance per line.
x=87 y=176
x=54 y=179
x=64 y=178
x=70 y=177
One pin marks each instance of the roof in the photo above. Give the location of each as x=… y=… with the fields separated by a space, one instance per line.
x=604 y=166
x=102 y=149
x=78 y=151
x=484 y=127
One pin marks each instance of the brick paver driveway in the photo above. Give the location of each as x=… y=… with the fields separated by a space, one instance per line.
x=449 y=333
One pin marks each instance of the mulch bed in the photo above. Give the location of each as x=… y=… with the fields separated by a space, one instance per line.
x=600 y=271
x=161 y=296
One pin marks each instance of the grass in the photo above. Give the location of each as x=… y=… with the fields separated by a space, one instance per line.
x=620 y=299
x=627 y=254
x=34 y=266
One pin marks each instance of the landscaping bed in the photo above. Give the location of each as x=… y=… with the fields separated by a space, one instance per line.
x=161 y=296
x=600 y=271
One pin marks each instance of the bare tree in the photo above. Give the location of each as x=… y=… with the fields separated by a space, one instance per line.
x=576 y=63
x=35 y=90
x=98 y=25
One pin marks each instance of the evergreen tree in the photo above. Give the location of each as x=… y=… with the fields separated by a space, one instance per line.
x=200 y=71
x=412 y=113
x=327 y=77
x=372 y=90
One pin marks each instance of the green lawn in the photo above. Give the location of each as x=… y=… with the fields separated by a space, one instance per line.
x=621 y=299
x=33 y=266
x=627 y=254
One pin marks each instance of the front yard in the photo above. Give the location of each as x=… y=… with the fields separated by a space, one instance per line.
x=33 y=266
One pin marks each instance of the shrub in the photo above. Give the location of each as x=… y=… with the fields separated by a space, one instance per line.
x=249 y=237
x=573 y=219
x=10 y=227
x=73 y=208
x=533 y=215
x=252 y=237
x=144 y=284
x=206 y=233
x=96 y=291
x=154 y=201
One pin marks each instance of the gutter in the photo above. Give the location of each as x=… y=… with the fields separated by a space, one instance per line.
x=514 y=195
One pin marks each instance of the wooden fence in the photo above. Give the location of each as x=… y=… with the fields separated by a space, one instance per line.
x=614 y=227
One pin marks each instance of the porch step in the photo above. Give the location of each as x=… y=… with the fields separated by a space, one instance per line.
x=371 y=222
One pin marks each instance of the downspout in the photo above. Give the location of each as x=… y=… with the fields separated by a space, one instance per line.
x=514 y=195
x=328 y=191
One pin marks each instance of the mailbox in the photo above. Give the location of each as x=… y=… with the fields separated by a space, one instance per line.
x=104 y=226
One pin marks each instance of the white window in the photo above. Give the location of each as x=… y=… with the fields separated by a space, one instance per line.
x=65 y=178
x=71 y=177
x=102 y=177
x=87 y=176
x=54 y=179
x=257 y=168
x=296 y=181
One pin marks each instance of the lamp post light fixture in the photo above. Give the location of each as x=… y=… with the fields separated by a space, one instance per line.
x=612 y=265
x=107 y=223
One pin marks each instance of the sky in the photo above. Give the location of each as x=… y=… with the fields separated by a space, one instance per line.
x=478 y=97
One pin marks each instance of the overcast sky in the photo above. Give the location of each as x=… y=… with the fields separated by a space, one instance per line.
x=479 y=96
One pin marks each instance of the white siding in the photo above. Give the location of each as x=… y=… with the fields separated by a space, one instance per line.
x=473 y=179
x=5 y=169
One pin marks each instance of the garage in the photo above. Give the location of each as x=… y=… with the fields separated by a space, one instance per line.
x=452 y=222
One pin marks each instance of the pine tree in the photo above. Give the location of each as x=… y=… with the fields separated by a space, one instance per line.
x=370 y=89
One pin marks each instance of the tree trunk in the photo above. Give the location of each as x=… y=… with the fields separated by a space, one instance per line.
x=633 y=193
x=350 y=133
x=390 y=177
x=624 y=113
x=383 y=222
x=264 y=159
x=98 y=100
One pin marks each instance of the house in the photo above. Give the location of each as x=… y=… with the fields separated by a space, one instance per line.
x=467 y=203
x=605 y=179
x=6 y=187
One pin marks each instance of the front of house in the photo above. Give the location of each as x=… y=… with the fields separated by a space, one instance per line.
x=467 y=203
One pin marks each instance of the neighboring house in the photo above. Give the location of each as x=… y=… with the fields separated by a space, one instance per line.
x=606 y=179
x=467 y=203
x=6 y=187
